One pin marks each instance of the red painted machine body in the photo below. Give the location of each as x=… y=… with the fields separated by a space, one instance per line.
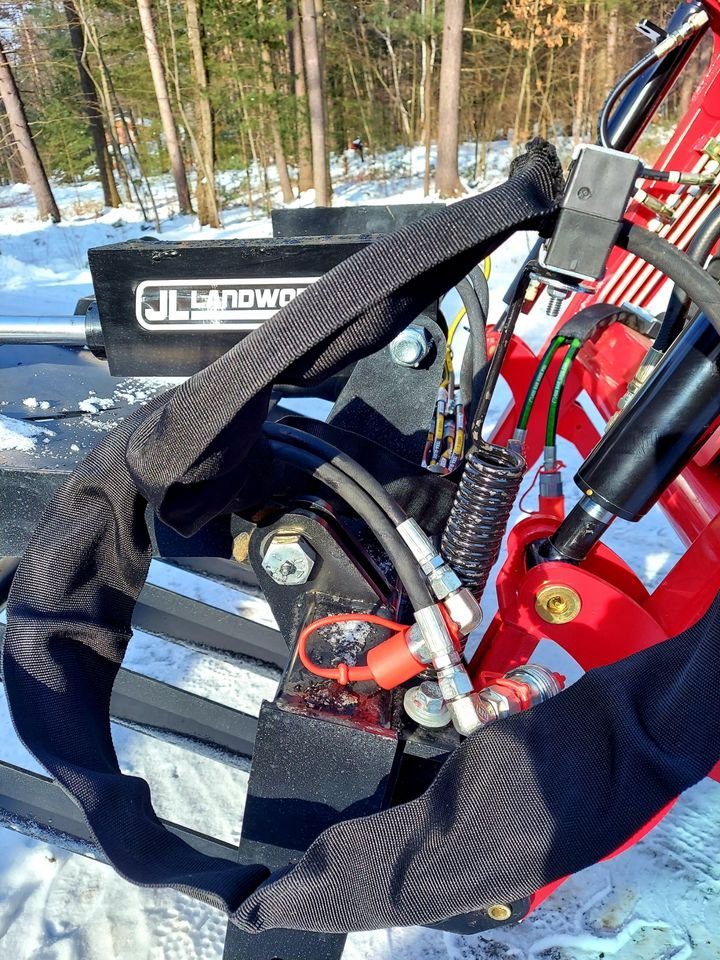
x=618 y=615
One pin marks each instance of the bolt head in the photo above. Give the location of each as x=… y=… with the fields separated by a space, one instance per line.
x=410 y=347
x=289 y=559
x=424 y=704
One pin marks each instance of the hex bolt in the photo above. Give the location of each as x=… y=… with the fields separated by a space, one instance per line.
x=289 y=559
x=425 y=705
x=410 y=347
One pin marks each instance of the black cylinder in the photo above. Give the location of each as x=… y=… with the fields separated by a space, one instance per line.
x=661 y=429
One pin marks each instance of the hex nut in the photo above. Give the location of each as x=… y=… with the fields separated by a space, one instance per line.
x=241 y=547
x=289 y=559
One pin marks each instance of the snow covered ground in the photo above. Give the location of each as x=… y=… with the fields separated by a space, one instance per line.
x=656 y=902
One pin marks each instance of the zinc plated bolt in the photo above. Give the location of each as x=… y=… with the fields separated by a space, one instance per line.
x=424 y=704
x=289 y=559
x=411 y=346
x=556 y=298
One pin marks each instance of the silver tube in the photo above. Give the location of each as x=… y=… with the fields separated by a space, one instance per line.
x=67 y=330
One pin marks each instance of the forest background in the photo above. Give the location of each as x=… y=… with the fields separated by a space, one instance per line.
x=125 y=90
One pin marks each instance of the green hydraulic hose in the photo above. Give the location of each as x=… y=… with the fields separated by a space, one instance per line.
x=554 y=411
x=536 y=381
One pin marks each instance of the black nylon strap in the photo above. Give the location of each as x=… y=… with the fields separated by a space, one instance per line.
x=355 y=309
x=71 y=603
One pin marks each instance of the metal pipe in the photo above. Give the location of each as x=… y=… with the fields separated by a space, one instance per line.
x=66 y=330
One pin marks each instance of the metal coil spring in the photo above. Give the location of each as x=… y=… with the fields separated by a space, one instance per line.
x=486 y=494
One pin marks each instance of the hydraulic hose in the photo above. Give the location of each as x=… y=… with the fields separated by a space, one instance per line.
x=679 y=303
x=536 y=381
x=690 y=276
x=333 y=455
x=648 y=81
x=651 y=442
x=557 y=392
x=617 y=91
x=367 y=509
x=474 y=364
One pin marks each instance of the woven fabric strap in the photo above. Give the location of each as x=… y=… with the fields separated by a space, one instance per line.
x=496 y=824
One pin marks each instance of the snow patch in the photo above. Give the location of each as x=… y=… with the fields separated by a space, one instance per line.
x=20 y=435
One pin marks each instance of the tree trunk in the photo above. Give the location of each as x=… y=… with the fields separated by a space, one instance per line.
x=268 y=82
x=428 y=62
x=37 y=178
x=447 y=178
x=207 y=207
x=16 y=171
x=311 y=50
x=304 y=147
x=167 y=119
x=581 y=95
x=111 y=196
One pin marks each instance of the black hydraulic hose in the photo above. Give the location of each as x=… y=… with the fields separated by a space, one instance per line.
x=679 y=303
x=690 y=276
x=387 y=536
x=474 y=365
x=617 y=91
x=284 y=433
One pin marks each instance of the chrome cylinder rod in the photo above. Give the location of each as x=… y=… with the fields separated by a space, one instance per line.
x=65 y=330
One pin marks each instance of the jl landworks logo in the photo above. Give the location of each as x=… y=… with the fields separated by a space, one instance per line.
x=199 y=304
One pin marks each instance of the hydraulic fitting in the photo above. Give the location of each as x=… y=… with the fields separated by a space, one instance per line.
x=445 y=584
x=519 y=690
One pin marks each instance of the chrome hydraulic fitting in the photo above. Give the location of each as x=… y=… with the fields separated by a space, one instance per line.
x=445 y=584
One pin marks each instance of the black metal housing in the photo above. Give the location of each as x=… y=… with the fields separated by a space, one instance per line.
x=179 y=349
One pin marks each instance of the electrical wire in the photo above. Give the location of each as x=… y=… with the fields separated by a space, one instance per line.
x=556 y=396
x=368 y=510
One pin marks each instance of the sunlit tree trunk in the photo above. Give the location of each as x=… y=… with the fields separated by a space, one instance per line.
x=207 y=206
x=268 y=82
x=92 y=105
x=311 y=49
x=581 y=95
x=447 y=178
x=172 y=143
x=304 y=158
x=20 y=128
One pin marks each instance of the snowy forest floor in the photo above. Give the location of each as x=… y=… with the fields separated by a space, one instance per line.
x=657 y=901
